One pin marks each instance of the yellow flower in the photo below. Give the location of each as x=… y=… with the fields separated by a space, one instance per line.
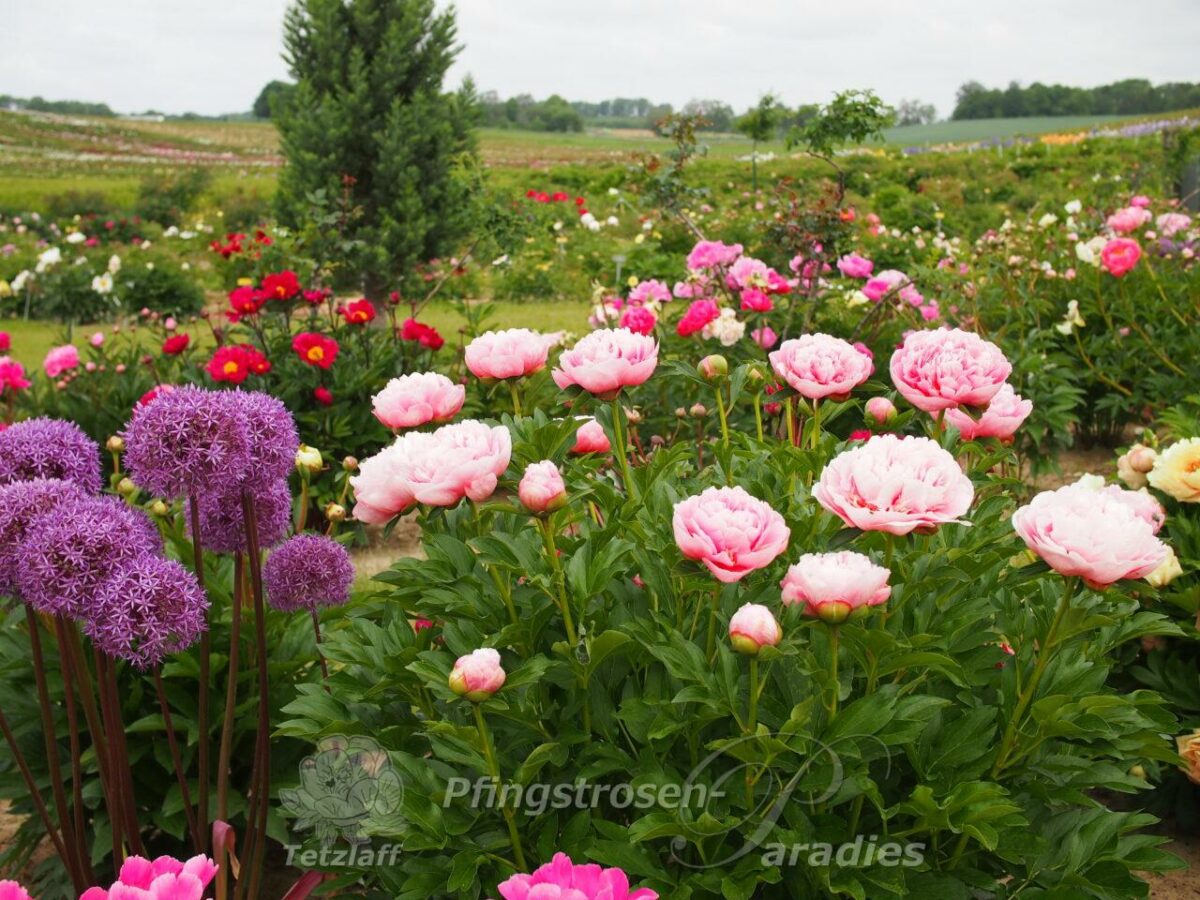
x=5 y=290
x=1189 y=749
x=1177 y=471
x=632 y=281
x=242 y=282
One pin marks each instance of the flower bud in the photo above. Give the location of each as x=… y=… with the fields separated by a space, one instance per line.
x=633 y=416
x=1138 y=772
x=698 y=411
x=1189 y=751
x=477 y=675
x=752 y=628
x=541 y=489
x=880 y=411
x=126 y=487
x=680 y=412
x=159 y=508
x=1168 y=570
x=350 y=464
x=116 y=444
x=308 y=460
x=714 y=367
x=335 y=512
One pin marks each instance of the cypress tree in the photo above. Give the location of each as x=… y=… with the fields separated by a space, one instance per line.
x=369 y=119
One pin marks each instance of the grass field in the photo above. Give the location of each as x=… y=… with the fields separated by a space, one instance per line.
x=31 y=340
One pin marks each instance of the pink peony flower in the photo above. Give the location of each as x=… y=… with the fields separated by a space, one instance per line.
x=1143 y=504
x=818 y=366
x=61 y=359
x=887 y=280
x=711 y=254
x=590 y=438
x=1095 y=534
x=1140 y=201
x=881 y=410
x=605 y=361
x=1129 y=219
x=752 y=628
x=10 y=890
x=936 y=370
x=1169 y=224
x=1120 y=255
x=854 y=266
x=698 y=314
x=729 y=531
x=97 y=339
x=833 y=585
x=166 y=878
x=1003 y=416
x=765 y=337
x=895 y=485
x=563 y=880
x=506 y=354
x=541 y=489
x=436 y=469
x=12 y=375
x=418 y=399
x=639 y=320
x=651 y=291
x=754 y=300
x=477 y=675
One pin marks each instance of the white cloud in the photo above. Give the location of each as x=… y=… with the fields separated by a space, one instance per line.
x=179 y=55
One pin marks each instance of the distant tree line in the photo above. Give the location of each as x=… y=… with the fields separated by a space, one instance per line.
x=63 y=107
x=1133 y=96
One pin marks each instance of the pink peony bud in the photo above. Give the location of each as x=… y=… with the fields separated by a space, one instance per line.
x=541 y=489
x=590 y=438
x=833 y=586
x=752 y=628
x=477 y=675
x=713 y=368
x=880 y=411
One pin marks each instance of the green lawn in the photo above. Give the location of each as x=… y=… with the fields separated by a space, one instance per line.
x=31 y=340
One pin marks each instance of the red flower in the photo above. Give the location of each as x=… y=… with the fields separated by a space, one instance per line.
x=5 y=341
x=315 y=349
x=579 y=201
x=559 y=196
x=258 y=363
x=427 y=336
x=154 y=392
x=394 y=298
x=232 y=245
x=314 y=297
x=176 y=344
x=231 y=364
x=281 y=285
x=246 y=301
x=360 y=312
x=323 y=396
x=261 y=237
x=861 y=434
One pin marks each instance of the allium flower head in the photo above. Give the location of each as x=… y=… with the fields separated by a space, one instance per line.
x=69 y=553
x=20 y=503
x=223 y=526
x=148 y=609
x=49 y=448
x=270 y=432
x=186 y=441
x=307 y=572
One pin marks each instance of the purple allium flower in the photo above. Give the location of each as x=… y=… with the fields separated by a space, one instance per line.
x=20 y=503
x=186 y=441
x=49 y=448
x=306 y=572
x=148 y=608
x=222 y=527
x=271 y=434
x=69 y=552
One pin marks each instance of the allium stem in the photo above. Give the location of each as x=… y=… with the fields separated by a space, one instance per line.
x=176 y=759
x=60 y=626
x=225 y=753
x=205 y=673
x=489 y=755
x=31 y=785
x=618 y=415
x=262 y=788
x=316 y=620
x=50 y=738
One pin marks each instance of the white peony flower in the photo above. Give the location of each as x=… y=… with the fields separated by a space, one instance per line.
x=103 y=284
x=76 y=237
x=49 y=258
x=725 y=328
x=1074 y=207
x=114 y=264
x=1047 y=220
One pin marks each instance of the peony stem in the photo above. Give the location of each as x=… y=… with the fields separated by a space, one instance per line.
x=619 y=445
x=816 y=425
x=834 y=646
x=489 y=755
x=560 y=582
x=203 y=687
x=758 y=419
x=713 y=614
x=789 y=413
x=721 y=414
x=516 y=397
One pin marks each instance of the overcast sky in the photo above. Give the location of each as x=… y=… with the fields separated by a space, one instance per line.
x=214 y=56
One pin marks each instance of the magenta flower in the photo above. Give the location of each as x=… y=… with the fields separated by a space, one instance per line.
x=1120 y=255
x=1096 y=535
x=819 y=366
x=20 y=503
x=12 y=376
x=61 y=359
x=605 y=361
x=166 y=878
x=465 y=459
x=69 y=553
x=308 y=571
x=895 y=485
x=729 y=531
x=10 y=890
x=477 y=675
x=561 y=879
x=833 y=585
x=417 y=399
x=936 y=370
x=639 y=320
x=148 y=609
x=512 y=353
x=1003 y=416
x=49 y=448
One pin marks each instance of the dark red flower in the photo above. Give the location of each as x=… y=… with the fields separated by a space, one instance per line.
x=281 y=285
x=314 y=297
x=360 y=312
x=425 y=335
x=323 y=396
x=261 y=237
x=315 y=349
x=176 y=344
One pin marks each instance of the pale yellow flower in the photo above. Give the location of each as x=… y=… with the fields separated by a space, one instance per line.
x=1168 y=570
x=1177 y=471
x=1189 y=749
